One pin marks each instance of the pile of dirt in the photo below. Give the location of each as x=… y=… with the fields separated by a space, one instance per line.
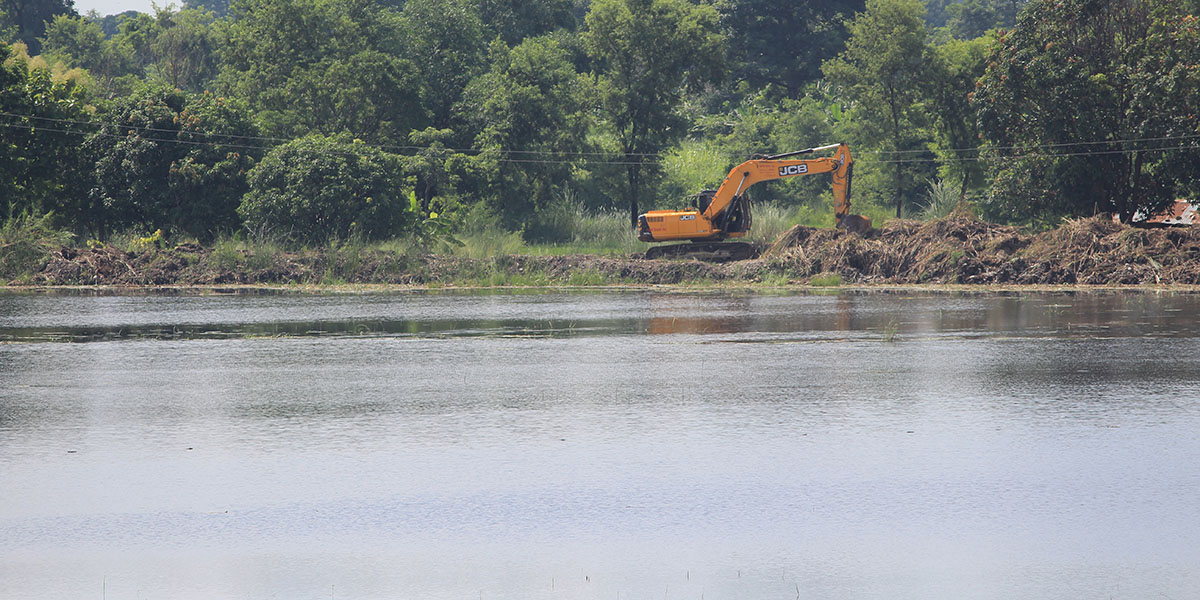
x=963 y=249
x=959 y=249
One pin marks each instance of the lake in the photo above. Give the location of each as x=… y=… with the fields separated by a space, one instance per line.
x=607 y=444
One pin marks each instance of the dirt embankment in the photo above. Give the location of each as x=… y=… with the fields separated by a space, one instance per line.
x=959 y=249
x=963 y=249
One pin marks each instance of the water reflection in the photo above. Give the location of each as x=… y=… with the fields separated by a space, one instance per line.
x=68 y=318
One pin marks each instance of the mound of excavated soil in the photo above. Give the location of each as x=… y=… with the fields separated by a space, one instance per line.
x=963 y=249
x=957 y=249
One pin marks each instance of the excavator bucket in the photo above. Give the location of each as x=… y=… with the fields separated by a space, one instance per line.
x=854 y=223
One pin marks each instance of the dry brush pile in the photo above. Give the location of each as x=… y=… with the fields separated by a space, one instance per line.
x=959 y=249
x=963 y=249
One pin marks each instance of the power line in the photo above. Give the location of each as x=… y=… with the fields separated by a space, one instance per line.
x=130 y=129
x=619 y=159
x=278 y=140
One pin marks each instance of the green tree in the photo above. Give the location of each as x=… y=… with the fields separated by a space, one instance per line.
x=882 y=69
x=1099 y=101
x=298 y=62
x=372 y=94
x=956 y=66
x=44 y=120
x=516 y=20
x=649 y=53
x=220 y=7
x=166 y=159
x=81 y=42
x=784 y=43
x=29 y=17
x=445 y=39
x=435 y=169
x=183 y=48
x=530 y=112
x=326 y=188
x=74 y=40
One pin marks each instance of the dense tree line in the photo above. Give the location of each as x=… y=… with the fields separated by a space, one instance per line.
x=318 y=119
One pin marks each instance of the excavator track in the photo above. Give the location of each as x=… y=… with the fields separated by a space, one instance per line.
x=706 y=251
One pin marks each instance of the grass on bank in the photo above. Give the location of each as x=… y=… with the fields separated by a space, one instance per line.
x=27 y=241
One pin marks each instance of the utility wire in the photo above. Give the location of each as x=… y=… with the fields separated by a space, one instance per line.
x=616 y=159
x=614 y=162
x=278 y=140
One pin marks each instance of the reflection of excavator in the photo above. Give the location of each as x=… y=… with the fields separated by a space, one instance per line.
x=725 y=213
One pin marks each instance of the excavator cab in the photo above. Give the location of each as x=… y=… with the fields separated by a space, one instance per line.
x=701 y=200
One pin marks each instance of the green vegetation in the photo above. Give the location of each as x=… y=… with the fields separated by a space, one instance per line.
x=25 y=241
x=476 y=128
x=826 y=280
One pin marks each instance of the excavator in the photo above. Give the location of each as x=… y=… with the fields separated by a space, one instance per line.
x=717 y=215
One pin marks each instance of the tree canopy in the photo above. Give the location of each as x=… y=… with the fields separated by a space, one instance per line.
x=227 y=117
x=1092 y=105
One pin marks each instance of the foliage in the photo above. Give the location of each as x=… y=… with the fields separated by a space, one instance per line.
x=320 y=66
x=516 y=20
x=943 y=199
x=322 y=188
x=26 y=241
x=885 y=61
x=446 y=38
x=532 y=100
x=28 y=18
x=783 y=44
x=549 y=115
x=955 y=66
x=39 y=141
x=1073 y=88
x=649 y=52
x=688 y=168
x=166 y=159
x=183 y=49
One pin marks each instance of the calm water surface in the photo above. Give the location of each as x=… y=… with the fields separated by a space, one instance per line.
x=611 y=445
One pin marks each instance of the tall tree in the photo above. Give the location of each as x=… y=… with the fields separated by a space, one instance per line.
x=1091 y=105
x=516 y=20
x=649 y=54
x=321 y=66
x=784 y=43
x=882 y=69
x=43 y=120
x=530 y=112
x=80 y=42
x=166 y=159
x=30 y=17
x=956 y=66
x=445 y=40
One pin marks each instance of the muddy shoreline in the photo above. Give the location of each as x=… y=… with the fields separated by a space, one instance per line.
x=959 y=251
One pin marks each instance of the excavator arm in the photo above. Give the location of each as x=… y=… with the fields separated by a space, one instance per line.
x=725 y=213
x=781 y=166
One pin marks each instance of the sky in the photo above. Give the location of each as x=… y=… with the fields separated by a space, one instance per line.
x=112 y=7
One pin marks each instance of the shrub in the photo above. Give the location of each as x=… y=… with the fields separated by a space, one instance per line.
x=325 y=188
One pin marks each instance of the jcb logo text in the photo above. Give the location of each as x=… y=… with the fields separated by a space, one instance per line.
x=793 y=170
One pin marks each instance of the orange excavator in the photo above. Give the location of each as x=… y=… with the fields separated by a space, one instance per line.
x=725 y=213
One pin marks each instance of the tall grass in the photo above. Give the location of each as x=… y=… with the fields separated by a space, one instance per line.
x=605 y=232
x=26 y=242
x=602 y=232
x=943 y=199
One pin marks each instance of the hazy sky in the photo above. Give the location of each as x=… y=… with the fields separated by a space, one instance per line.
x=112 y=7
